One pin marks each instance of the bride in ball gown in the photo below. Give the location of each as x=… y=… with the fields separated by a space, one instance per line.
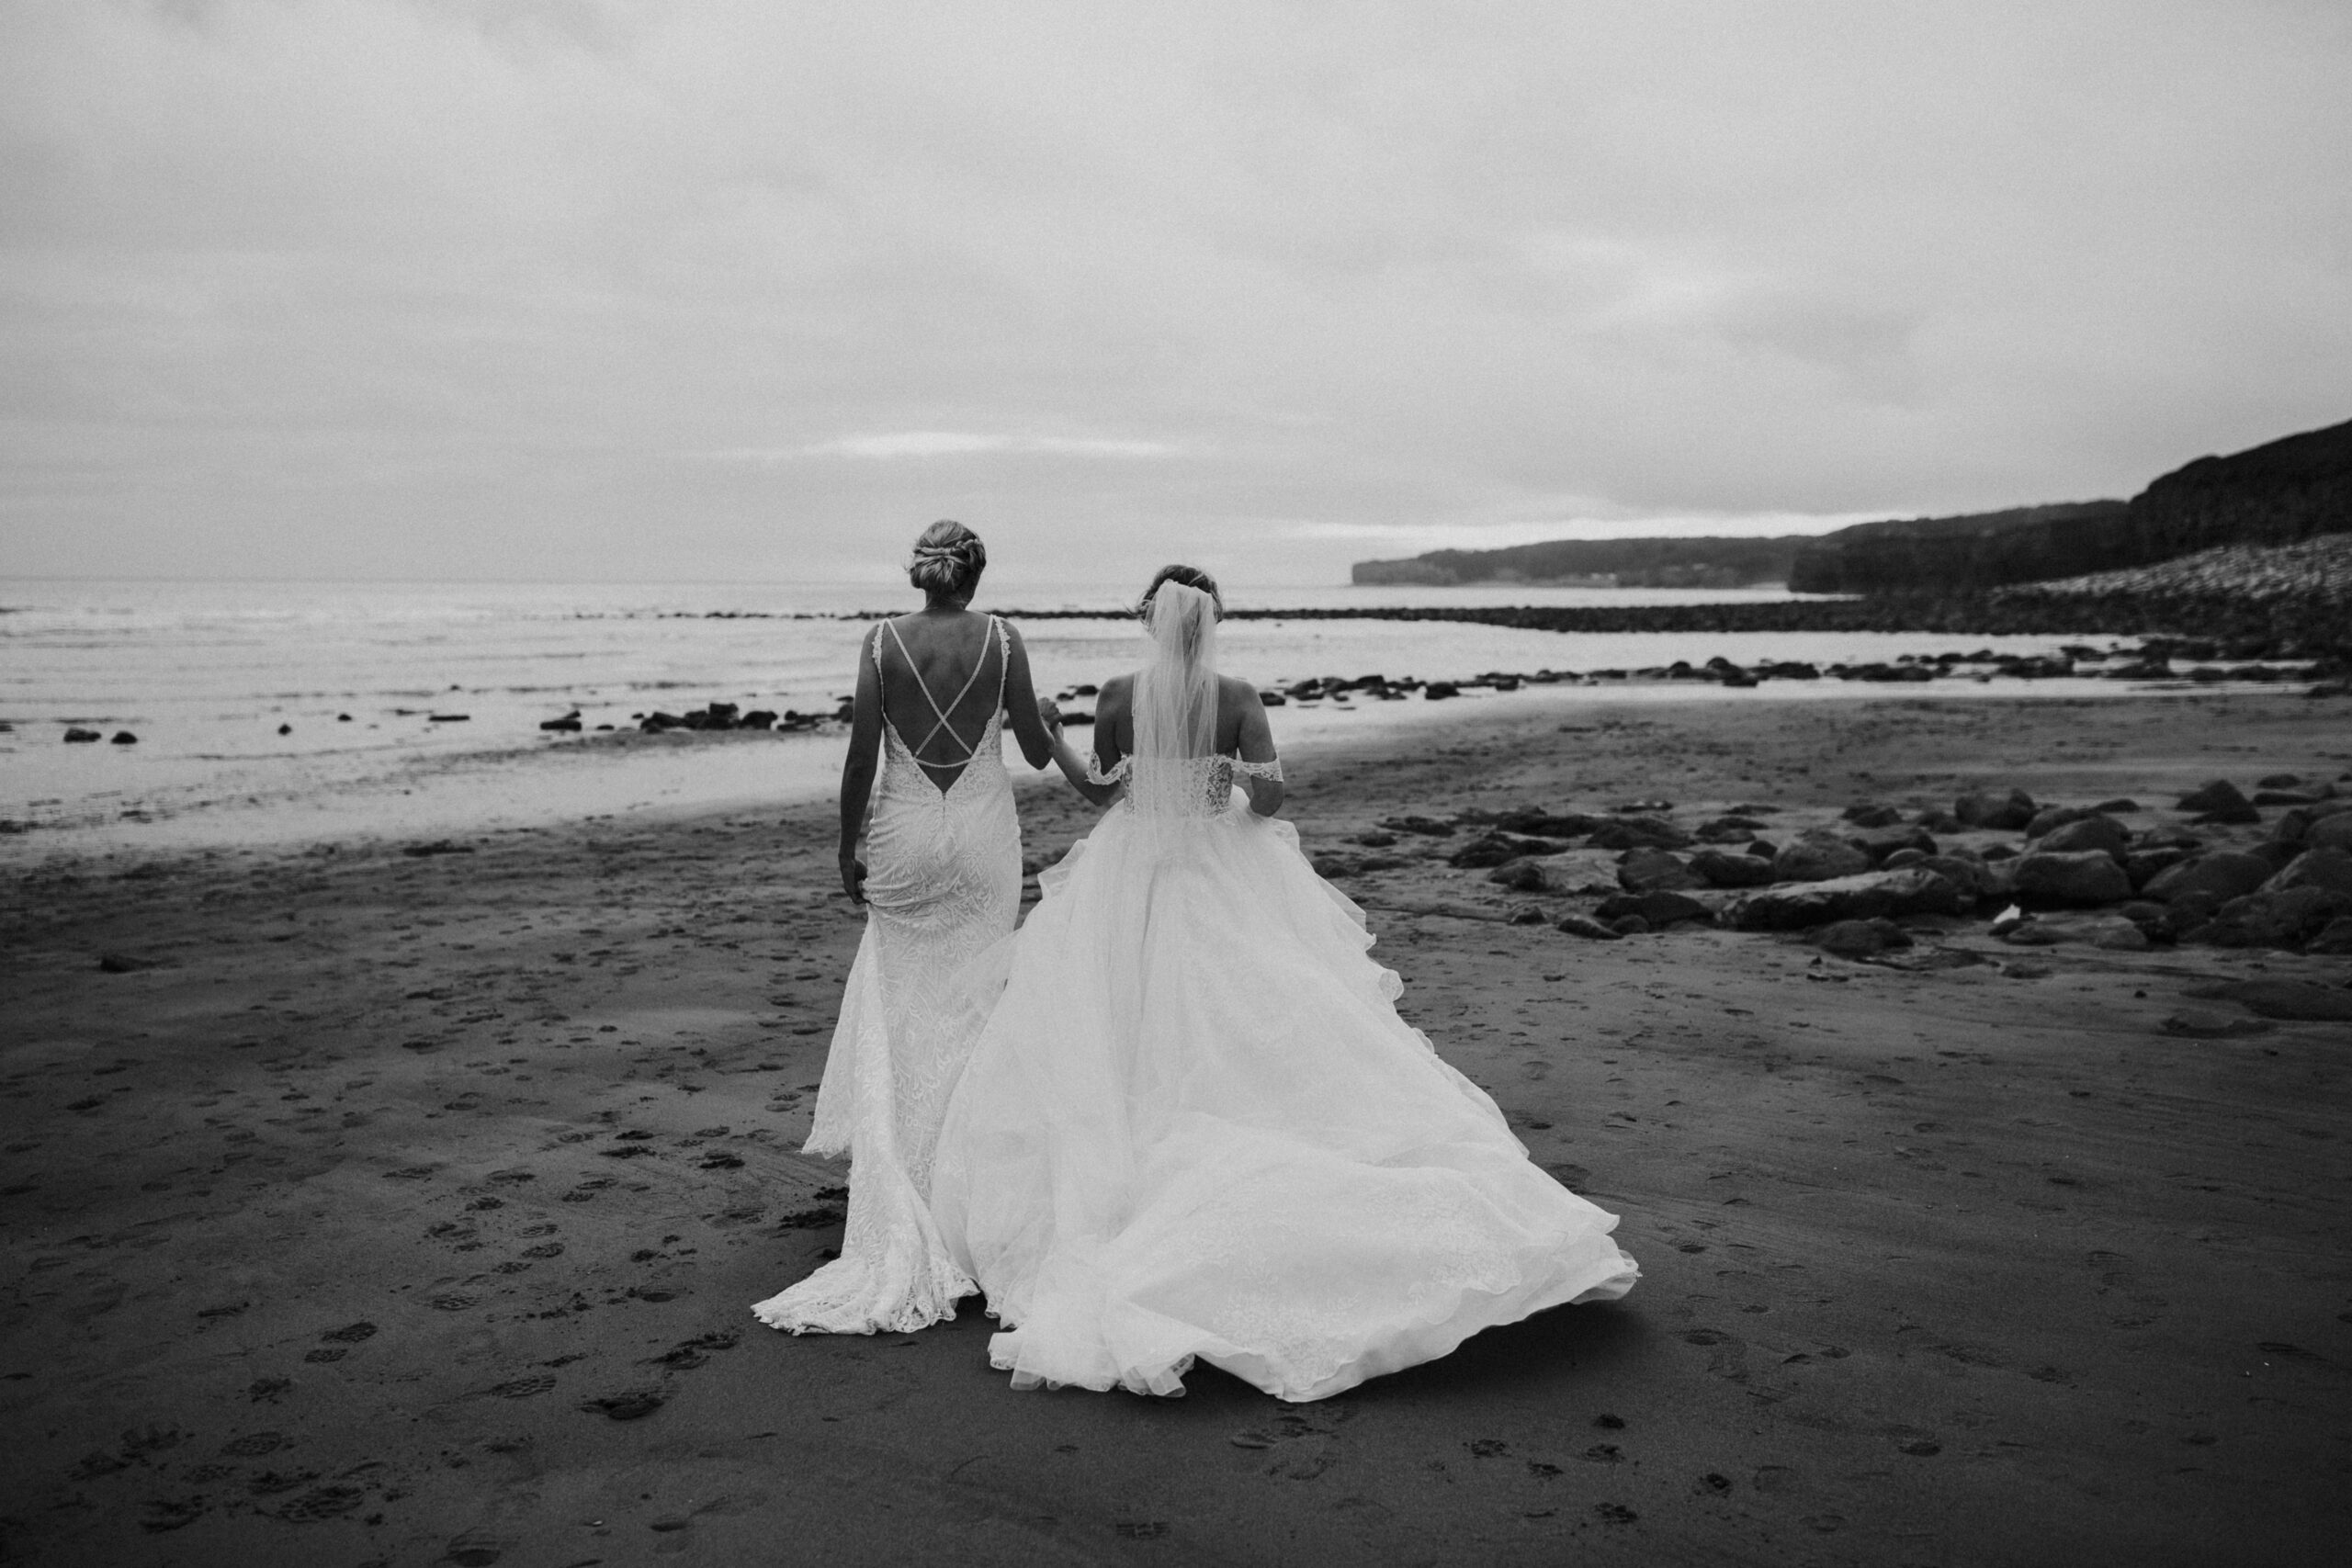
x=941 y=883
x=1195 y=1126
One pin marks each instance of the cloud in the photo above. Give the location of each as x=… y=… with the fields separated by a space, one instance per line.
x=355 y=286
x=956 y=444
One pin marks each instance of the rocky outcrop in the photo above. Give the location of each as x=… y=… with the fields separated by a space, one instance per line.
x=2003 y=812
x=1653 y=871
x=1657 y=911
x=1722 y=869
x=2220 y=802
x=2091 y=832
x=1637 y=831
x=1889 y=894
x=2220 y=875
x=1819 y=857
x=2082 y=876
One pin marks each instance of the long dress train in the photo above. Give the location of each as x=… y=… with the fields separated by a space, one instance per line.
x=1195 y=1126
x=943 y=885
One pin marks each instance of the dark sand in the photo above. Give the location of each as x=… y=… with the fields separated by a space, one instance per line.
x=328 y=1228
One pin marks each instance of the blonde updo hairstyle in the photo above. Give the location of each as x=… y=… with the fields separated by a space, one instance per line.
x=947 y=560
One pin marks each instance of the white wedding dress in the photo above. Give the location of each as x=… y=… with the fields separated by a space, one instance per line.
x=943 y=885
x=1195 y=1126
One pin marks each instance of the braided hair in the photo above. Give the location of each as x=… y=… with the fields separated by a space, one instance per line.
x=947 y=560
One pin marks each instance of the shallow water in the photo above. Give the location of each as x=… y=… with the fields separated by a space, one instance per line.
x=206 y=674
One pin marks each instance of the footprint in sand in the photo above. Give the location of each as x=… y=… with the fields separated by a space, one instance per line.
x=522 y=1388
x=252 y=1445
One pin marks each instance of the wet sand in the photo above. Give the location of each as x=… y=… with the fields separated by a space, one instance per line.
x=371 y=1207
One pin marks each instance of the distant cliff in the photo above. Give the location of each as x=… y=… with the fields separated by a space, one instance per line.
x=2296 y=488
x=1624 y=563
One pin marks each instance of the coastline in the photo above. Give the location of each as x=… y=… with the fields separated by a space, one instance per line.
x=378 y=1206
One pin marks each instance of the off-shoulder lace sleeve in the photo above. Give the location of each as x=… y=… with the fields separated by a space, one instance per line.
x=1267 y=770
x=1094 y=774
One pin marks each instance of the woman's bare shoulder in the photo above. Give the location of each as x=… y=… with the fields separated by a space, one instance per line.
x=1233 y=688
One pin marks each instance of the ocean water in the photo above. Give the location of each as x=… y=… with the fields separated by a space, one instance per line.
x=206 y=673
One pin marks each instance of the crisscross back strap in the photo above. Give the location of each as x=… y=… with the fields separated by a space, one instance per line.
x=938 y=713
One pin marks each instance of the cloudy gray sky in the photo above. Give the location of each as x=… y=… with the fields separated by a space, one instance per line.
x=615 y=288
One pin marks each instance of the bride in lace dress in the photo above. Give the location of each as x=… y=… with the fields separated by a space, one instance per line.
x=941 y=883
x=1194 y=1125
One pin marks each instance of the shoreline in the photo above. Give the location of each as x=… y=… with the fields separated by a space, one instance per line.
x=655 y=777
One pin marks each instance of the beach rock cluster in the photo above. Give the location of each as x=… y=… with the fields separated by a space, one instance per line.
x=715 y=716
x=2271 y=867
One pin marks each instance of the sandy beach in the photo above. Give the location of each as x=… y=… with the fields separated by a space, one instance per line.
x=379 y=1206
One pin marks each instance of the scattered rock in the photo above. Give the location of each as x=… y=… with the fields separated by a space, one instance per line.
x=2285 y=919
x=2222 y=876
x=80 y=737
x=2331 y=832
x=1872 y=814
x=2084 y=876
x=1332 y=865
x=1428 y=827
x=1548 y=824
x=2328 y=867
x=632 y=1406
x=2192 y=1025
x=1722 y=869
x=2334 y=939
x=124 y=737
x=2004 y=812
x=1882 y=842
x=1819 y=857
x=1892 y=894
x=122 y=963
x=1587 y=927
x=1652 y=869
x=2219 y=801
x=2091 y=830
x=1657 y=911
x=1860 y=939
x=2143 y=867
x=567 y=725
x=1525 y=874
x=2050 y=818
x=2122 y=806
x=1638 y=832
x=1496 y=848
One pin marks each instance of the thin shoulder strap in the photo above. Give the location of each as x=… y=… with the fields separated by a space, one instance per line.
x=1003 y=657
x=938 y=713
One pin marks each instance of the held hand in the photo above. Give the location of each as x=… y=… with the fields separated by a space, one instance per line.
x=1049 y=710
x=853 y=877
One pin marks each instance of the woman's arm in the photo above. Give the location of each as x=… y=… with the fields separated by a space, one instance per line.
x=1021 y=703
x=857 y=768
x=1257 y=745
x=1109 y=707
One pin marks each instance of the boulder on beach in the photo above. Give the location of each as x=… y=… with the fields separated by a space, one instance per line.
x=1860 y=939
x=80 y=737
x=2284 y=918
x=1819 y=856
x=1523 y=875
x=1649 y=870
x=2004 y=811
x=2143 y=867
x=1729 y=830
x=2334 y=939
x=2079 y=876
x=1892 y=894
x=1970 y=876
x=2326 y=867
x=2219 y=801
x=2051 y=818
x=2332 y=831
x=1659 y=909
x=2091 y=830
x=1881 y=842
x=2220 y=875
x=124 y=737
x=1872 y=814
x=1638 y=832
x=1587 y=927
x=1490 y=850
x=1548 y=824
x=1723 y=869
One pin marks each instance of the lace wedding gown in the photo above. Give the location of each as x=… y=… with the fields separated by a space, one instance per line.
x=943 y=884
x=1195 y=1126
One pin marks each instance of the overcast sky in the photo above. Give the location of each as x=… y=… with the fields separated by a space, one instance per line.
x=569 y=288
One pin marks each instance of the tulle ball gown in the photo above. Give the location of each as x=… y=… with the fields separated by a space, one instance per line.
x=1194 y=1125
